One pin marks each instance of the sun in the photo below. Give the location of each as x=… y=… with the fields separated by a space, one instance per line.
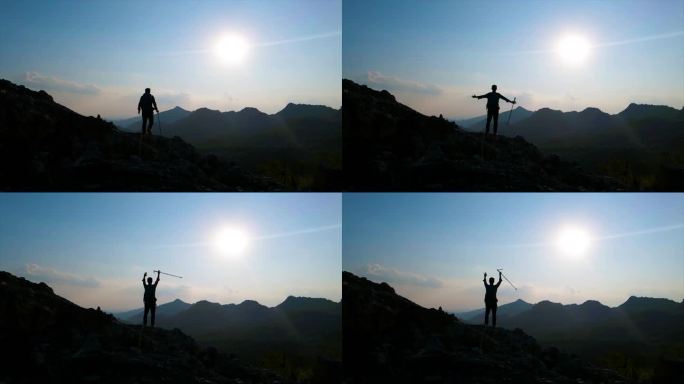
x=231 y=49
x=573 y=49
x=231 y=241
x=573 y=241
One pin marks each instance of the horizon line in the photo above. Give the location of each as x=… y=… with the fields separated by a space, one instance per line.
x=374 y=88
x=555 y=302
x=222 y=304
x=221 y=111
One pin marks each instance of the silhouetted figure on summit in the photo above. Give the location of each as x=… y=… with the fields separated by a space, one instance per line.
x=490 y=298
x=492 y=107
x=149 y=299
x=148 y=105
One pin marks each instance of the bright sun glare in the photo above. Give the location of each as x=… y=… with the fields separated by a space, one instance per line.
x=573 y=241
x=231 y=241
x=574 y=49
x=231 y=49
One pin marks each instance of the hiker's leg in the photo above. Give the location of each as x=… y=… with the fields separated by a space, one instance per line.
x=153 y=309
x=149 y=128
x=489 y=119
x=493 y=316
x=150 y=121
x=145 y=123
x=147 y=308
x=496 y=120
x=487 y=308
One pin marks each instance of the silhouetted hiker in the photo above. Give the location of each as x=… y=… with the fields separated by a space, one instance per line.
x=149 y=299
x=493 y=107
x=490 y=298
x=148 y=105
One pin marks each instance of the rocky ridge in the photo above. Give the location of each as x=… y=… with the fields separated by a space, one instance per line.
x=390 y=147
x=46 y=146
x=388 y=338
x=48 y=339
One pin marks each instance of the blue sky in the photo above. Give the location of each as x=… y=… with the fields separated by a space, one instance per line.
x=94 y=248
x=433 y=58
x=434 y=248
x=96 y=57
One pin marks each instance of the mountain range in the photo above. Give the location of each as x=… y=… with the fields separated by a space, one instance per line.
x=391 y=147
x=299 y=335
x=388 y=338
x=46 y=146
x=48 y=339
x=299 y=146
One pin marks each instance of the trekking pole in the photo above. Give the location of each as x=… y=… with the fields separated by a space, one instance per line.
x=159 y=120
x=168 y=274
x=504 y=276
x=510 y=113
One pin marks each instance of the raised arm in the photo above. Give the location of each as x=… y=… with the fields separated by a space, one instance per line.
x=484 y=279
x=499 y=283
x=143 y=280
x=157 y=282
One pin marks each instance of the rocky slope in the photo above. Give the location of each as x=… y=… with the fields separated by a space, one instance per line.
x=46 y=146
x=388 y=338
x=389 y=146
x=48 y=339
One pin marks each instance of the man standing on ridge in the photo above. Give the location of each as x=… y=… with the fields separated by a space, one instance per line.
x=492 y=107
x=490 y=298
x=149 y=299
x=148 y=105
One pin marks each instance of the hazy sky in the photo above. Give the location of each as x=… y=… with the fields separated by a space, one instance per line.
x=433 y=58
x=434 y=248
x=96 y=57
x=94 y=248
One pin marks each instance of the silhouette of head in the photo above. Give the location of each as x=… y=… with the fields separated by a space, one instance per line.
x=494 y=87
x=491 y=279
x=149 y=279
x=147 y=90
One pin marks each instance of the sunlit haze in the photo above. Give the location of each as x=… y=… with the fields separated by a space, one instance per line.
x=97 y=57
x=568 y=248
x=94 y=248
x=564 y=54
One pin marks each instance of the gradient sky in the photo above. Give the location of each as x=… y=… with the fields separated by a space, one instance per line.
x=434 y=248
x=94 y=248
x=433 y=58
x=96 y=57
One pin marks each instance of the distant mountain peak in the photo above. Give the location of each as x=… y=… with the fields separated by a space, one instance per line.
x=206 y=303
x=592 y=110
x=207 y=110
x=251 y=110
x=304 y=110
x=250 y=303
